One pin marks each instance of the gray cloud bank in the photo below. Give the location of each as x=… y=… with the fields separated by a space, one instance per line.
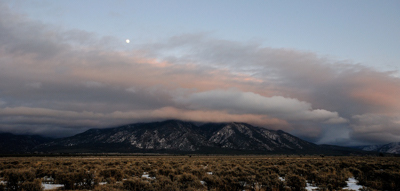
x=59 y=82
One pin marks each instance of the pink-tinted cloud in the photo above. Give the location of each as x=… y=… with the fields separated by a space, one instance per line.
x=378 y=90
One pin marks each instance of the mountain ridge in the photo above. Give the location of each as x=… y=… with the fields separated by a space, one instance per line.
x=180 y=137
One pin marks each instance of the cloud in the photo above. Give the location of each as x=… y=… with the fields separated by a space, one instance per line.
x=93 y=84
x=377 y=128
x=30 y=120
x=218 y=116
x=60 y=80
x=234 y=101
x=376 y=89
x=36 y=85
x=2 y=102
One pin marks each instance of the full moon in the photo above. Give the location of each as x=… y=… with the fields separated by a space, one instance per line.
x=127 y=41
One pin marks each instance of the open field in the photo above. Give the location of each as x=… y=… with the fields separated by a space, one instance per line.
x=198 y=173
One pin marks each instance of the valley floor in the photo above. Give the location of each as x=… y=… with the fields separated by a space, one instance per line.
x=199 y=173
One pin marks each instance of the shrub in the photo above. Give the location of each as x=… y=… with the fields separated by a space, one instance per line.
x=164 y=183
x=212 y=182
x=112 y=173
x=77 y=180
x=36 y=185
x=16 y=178
x=295 y=182
x=136 y=184
x=187 y=180
x=230 y=183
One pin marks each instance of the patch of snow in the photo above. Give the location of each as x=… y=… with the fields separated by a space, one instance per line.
x=48 y=180
x=310 y=187
x=52 y=186
x=282 y=179
x=202 y=182
x=102 y=183
x=146 y=175
x=3 y=182
x=210 y=173
x=352 y=184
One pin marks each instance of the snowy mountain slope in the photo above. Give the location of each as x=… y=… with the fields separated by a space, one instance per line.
x=393 y=148
x=178 y=136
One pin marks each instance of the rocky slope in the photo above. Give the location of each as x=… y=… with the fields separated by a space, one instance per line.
x=178 y=136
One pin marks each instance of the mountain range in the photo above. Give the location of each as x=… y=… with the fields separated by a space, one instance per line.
x=393 y=148
x=10 y=143
x=173 y=137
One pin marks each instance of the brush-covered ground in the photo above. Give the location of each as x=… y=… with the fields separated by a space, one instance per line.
x=199 y=173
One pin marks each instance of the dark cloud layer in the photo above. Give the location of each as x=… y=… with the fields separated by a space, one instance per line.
x=59 y=82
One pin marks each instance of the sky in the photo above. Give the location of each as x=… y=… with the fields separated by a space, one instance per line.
x=325 y=71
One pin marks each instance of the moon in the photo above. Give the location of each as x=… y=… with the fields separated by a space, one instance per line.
x=127 y=41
